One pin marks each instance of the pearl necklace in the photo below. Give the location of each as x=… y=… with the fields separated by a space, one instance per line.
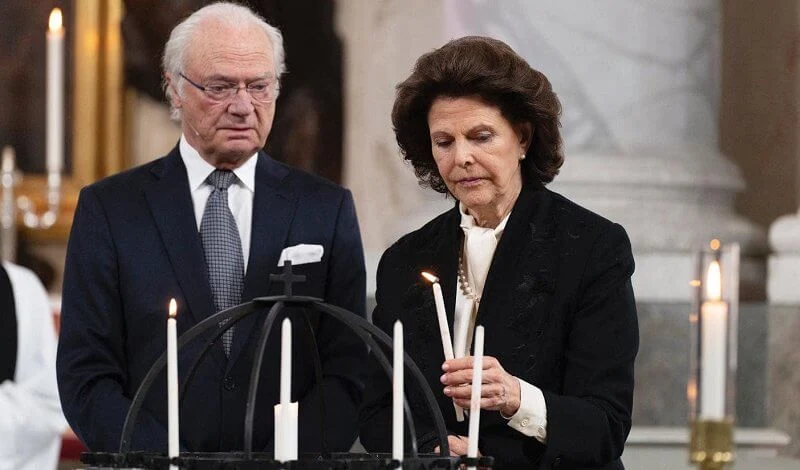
x=463 y=281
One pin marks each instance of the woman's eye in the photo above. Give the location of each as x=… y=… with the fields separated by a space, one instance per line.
x=485 y=137
x=441 y=143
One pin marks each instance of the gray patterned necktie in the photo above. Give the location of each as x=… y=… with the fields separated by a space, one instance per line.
x=223 y=248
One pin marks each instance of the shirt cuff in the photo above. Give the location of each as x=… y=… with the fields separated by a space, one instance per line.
x=531 y=418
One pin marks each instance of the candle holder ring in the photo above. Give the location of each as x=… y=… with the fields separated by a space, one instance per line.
x=712 y=444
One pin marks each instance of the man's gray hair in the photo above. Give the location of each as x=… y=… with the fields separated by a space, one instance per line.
x=227 y=13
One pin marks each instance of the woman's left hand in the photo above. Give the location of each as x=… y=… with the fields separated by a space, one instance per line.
x=500 y=390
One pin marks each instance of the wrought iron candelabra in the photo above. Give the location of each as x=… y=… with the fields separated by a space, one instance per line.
x=269 y=309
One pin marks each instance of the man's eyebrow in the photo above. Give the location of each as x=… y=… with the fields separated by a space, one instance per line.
x=225 y=78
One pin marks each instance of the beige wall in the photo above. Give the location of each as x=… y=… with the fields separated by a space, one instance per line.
x=759 y=128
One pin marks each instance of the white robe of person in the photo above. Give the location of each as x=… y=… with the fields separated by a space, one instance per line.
x=31 y=421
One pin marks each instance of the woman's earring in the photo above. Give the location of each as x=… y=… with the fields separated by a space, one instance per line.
x=522 y=157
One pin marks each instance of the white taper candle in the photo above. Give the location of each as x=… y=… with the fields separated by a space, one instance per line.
x=172 y=383
x=55 y=93
x=286 y=412
x=475 y=397
x=444 y=328
x=713 y=347
x=441 y=315
x=286 y=362
x=397 y=393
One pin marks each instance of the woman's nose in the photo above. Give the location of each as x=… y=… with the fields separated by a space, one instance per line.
x=463 y=154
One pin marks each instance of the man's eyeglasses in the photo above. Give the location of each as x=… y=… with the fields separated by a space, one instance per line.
x=264 y=91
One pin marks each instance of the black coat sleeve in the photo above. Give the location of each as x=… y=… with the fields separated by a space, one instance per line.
x=589 y=421
x=91 y=364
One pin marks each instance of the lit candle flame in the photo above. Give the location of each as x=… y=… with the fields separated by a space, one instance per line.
x=55 y=21
x=691 y=391
x=430 y=277
x=8 y=158
x=714 y=282
x=173 y=308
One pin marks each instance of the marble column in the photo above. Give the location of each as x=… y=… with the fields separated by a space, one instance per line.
x=783 y=399
x=152 y=132
x=639 y=84
x=382 y=40
x=784 y=263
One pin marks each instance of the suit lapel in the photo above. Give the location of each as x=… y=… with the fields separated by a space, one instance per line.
x=274 y=205
x=516 y=237
x=170 y=201
x=451 y=247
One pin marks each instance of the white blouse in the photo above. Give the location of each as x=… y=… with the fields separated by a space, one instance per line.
x=531 y=418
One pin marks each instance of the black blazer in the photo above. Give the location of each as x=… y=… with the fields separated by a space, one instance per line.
x=559 y=313
x=134 y=244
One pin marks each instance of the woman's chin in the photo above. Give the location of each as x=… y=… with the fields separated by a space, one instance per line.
x=476 y=201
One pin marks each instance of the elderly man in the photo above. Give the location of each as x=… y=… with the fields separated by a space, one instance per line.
x=207 y=224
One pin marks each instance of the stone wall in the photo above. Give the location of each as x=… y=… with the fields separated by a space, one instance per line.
x=783 y=374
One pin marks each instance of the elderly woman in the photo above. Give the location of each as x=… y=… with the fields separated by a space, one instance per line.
x=548 y=279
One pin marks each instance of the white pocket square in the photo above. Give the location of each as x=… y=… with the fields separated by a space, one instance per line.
x=301 y=254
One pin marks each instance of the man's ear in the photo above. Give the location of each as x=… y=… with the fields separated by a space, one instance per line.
x=175 y=97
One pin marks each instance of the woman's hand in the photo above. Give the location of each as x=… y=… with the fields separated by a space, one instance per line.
x=500 y=390
x=458 y=446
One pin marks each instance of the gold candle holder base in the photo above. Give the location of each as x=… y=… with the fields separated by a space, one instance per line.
x=712 y=444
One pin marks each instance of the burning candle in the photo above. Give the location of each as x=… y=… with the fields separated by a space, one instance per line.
x=397 y=393
x=475 y=396
x=55 y=93
x=713 y=345
x=444 y=328
x=172 y=382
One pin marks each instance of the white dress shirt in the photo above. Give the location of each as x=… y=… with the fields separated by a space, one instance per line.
x=31 y=421
x=240 y=193
x=531 y=418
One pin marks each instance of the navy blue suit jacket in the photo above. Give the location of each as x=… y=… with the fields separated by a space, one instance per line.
x=559 y=313
x=135 y=244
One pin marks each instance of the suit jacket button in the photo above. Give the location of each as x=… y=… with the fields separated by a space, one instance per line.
x=229 y=384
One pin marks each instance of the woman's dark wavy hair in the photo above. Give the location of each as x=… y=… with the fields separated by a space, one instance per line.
x=490 y=69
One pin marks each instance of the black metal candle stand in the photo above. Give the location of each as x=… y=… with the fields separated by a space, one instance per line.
x=265 y=461
x=249 y=460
